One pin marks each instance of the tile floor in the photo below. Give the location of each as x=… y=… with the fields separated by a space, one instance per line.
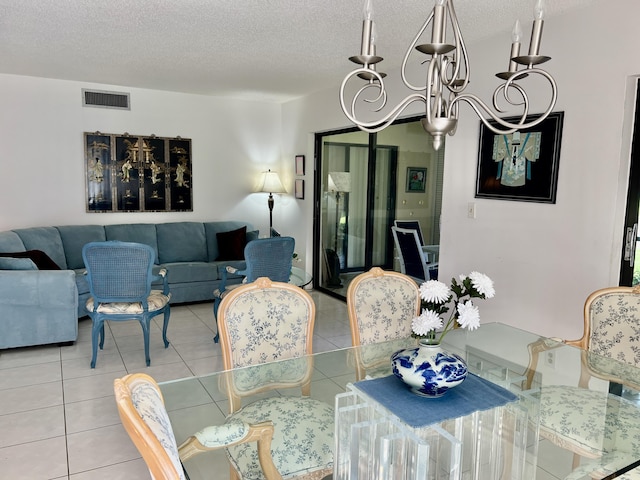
x=58 y=418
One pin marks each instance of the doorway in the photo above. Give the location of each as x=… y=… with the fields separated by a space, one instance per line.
x=630 y=266
x=362 y=187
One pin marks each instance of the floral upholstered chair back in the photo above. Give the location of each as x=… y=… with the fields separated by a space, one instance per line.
x=381 y=306
x=611 y=330
x=262 y=323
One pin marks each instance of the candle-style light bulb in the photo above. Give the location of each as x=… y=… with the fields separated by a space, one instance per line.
x=374 y=39
x=538 y=10
x=367 y=11
x=516 y=33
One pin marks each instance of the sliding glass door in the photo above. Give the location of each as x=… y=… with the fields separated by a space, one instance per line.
x=361 y=188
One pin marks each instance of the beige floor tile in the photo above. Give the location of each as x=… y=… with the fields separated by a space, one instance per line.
x=30 y=375
x=91 y=414
x=42 y=460
x=134 y=360
x=206 y=365
x=31 y=426
x=31 y=397
x=205 y=347
x=88 y=388
x=99 y=448
x=20 y=357
x=81 y=366
x=132 y=469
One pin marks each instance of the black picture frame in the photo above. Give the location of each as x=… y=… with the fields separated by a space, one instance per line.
x=416 y=180
x=522 y=166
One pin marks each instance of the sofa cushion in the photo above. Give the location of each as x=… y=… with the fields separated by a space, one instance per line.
x=11 y=263
x=10 y=242
x=181 y=242
x=41 y=260
x=46 y=239
x=135 y=232
x=186 y=272
x=231 y=244
x=212 y=228
x=74 y=237
x=82 y=283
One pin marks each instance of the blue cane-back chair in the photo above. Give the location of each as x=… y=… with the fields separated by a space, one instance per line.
x=265 y=257
x=120 y=277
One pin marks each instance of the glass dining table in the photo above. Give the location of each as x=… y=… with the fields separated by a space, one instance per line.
x=529 y=437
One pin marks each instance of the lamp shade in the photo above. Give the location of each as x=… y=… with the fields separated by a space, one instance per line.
x=270 y=183
x=339 y=182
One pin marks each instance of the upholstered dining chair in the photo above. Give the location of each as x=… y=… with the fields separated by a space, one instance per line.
x=611 y=331
x=413 y=261
x=381 y=306
x=120 y=277
x=260 y=323
x=145 y=419
x=264 y=257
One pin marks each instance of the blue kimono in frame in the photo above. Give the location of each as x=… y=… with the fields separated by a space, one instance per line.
x=514 y=154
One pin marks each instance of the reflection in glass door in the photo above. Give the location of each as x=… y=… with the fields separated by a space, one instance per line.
x=360 y=190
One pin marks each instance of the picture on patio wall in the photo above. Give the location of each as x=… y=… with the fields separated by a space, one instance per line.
x=128 y=173
x=521 y=166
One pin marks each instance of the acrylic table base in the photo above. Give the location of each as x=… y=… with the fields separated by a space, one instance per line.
x=372 y=443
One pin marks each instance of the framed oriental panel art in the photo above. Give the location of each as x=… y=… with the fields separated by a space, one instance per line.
x=521 y=166
x=127 y=173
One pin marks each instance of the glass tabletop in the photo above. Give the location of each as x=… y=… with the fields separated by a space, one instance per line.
x=520 y=361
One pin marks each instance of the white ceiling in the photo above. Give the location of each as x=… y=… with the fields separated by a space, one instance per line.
x=271 y=50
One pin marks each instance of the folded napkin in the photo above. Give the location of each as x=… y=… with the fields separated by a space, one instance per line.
x=472 y=395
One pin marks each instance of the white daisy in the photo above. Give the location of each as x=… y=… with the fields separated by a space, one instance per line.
x=427 y=321
x=434 y=291
x=482 y=284
x=468 y=315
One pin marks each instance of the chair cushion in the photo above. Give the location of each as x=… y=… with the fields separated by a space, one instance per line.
x=216 y=436
x=148 y=403
x=586 y=421
x=156 y=301
x=302 y=441
x=231 y=244
x=613 y=318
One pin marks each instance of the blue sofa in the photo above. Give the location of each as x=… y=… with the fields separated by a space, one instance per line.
x=43 y=306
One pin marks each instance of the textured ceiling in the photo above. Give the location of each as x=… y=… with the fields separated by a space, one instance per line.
x=268 y=50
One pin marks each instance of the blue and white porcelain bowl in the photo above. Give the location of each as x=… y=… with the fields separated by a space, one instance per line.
x=428 y=370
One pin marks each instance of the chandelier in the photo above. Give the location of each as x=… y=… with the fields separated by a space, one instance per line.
x=447 y=77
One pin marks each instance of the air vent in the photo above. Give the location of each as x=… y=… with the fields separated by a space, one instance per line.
x=101 y=99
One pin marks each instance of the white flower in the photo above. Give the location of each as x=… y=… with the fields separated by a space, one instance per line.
x=434 y=291
x=469 y=315
x=482 y=284
x=427 y=321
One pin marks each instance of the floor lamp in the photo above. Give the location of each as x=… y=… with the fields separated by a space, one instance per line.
x=270 y=183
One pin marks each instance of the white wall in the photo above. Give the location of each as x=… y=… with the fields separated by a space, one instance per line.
x=544 y=259
x=43 y=177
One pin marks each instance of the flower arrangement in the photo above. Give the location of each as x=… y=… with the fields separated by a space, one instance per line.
x=436 y=298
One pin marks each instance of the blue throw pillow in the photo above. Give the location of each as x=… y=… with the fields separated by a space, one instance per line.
x=8 y=263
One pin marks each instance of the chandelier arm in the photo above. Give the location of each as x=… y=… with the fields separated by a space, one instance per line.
x=460 y=53
x=385 y=121
x=479 y=106
x=409 y=51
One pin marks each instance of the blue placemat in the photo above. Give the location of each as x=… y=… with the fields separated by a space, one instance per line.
x=470 y=396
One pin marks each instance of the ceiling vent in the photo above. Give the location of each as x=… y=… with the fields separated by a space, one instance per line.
x=102 y=99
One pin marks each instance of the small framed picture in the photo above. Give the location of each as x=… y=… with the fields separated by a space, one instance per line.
x=416 y=179
x=299 y=164
x=299 y=188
